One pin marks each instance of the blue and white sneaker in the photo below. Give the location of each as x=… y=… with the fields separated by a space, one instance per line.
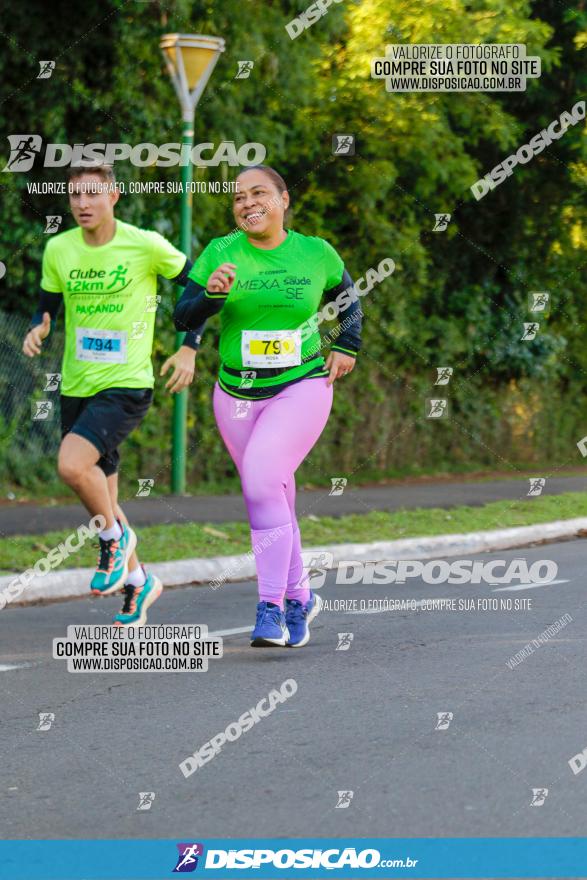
x=298 y=618
x=137 y=600
x=270 y=629
x=112 y=569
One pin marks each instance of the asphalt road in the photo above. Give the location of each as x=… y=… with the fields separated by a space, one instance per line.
x=29 y=519
x=362 y=720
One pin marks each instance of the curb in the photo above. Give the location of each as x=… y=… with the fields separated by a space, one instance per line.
x=73 y=583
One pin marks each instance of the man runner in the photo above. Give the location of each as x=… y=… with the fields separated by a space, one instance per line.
x=105 y=271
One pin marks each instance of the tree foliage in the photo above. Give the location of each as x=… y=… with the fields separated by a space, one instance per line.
x=457 y=298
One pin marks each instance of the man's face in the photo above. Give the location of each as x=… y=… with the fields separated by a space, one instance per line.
x=91 y=200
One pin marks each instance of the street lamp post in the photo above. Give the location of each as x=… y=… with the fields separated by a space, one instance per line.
x=190 y=60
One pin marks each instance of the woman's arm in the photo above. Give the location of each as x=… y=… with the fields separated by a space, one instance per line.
x=350 y=317
x=198 y=303
x=195 y=306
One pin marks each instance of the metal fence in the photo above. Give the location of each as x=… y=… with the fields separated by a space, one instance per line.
x=29 y=402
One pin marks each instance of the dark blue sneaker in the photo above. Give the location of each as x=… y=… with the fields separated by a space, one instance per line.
x=270 y=629
x=298 y=618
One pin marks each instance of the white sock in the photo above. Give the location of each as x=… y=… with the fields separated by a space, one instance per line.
x=114 y=533
x=137 y=577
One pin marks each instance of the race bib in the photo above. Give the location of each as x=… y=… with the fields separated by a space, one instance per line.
x=103 y=346
x=271 y=348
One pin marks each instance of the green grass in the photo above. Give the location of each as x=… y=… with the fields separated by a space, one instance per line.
x=158 y=543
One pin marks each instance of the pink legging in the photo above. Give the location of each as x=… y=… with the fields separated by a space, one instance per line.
x=268 y=440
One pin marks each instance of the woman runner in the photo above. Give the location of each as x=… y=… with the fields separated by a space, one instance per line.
x=274 y=390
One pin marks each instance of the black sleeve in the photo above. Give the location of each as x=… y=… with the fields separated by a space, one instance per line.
x=192 y=337
x=182 y=279
x=48 y=302
x=348 y=337
x=195 y=306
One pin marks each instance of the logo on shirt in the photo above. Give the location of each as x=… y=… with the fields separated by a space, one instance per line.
x=258 y=284
x=292 y=287
x=292 y=279
x=99 y=280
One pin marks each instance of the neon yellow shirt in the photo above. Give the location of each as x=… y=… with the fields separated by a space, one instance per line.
x=110 y=298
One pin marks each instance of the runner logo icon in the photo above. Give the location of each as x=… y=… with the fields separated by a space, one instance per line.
x=344 y=800
x=23 y=151
x=436 y=408
x=539 y=300
x=441 y=222
x=42 y=410
x=46 y=69
x=187 y=860
x=444 y=719
x=244 y=69
x=46 y=719
x=338 y=485
x=530 y=331
x=344 y=641
x=146 y=799
x=343 y=144
x=444 y=375
x=539 y=795
x=53 y=222
x=537 y=484
x=317 y=564
x=52 y=381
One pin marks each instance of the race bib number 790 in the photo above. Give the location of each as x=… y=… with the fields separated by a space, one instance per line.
x=271 y=348
x=102 y=346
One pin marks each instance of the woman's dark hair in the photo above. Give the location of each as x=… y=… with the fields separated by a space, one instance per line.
x=274 y=177
x=271 y=173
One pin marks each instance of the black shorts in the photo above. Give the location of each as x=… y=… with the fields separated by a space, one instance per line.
x=105 y=419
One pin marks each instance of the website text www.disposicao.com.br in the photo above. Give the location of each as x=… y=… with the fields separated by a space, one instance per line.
x=328 y=859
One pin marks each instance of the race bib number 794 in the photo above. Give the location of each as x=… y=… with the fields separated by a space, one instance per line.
x=102 y=346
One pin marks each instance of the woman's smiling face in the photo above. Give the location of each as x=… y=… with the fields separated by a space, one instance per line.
x=258 y=205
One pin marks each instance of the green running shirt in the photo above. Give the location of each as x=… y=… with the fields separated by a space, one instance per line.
x=274 y=292
x=109 y=294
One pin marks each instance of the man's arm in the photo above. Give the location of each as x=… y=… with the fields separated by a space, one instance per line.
x=193 y=337
x=182 y=362
x=48 y=302
x=41 y=322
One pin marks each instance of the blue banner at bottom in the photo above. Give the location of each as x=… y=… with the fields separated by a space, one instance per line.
x=381 y=858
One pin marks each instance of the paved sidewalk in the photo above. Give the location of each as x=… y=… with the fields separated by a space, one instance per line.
x=72 y=583
x=27 y=519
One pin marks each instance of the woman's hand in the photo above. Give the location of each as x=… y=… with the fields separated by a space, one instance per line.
x=339 y=364
x=184 y=369
x=222 y=279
